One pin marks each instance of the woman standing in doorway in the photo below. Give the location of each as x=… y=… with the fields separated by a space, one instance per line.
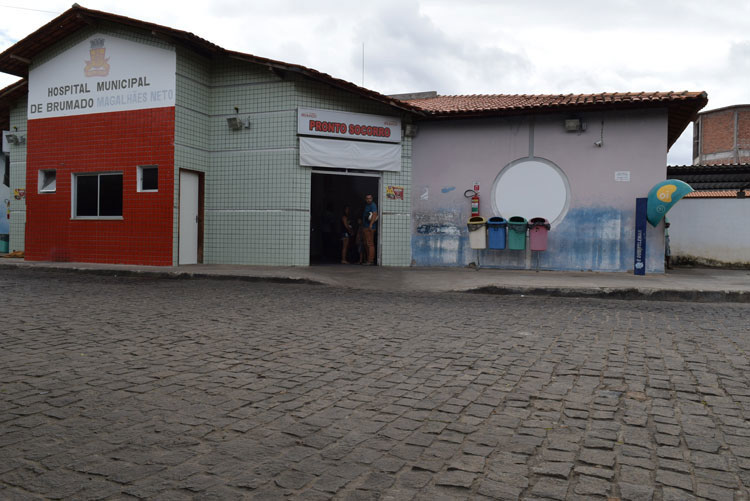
x=346 y=234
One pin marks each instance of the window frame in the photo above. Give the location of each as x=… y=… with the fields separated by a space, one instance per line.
x=74 y=195
x=41 y=178
x=140 y=178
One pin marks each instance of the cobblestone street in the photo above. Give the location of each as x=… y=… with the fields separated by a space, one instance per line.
x=141 y=387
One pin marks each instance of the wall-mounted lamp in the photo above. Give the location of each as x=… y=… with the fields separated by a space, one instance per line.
x=410 y=130
x=15 y=139
x=236 y=123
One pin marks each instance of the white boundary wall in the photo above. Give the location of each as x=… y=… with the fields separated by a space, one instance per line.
x=711 y=230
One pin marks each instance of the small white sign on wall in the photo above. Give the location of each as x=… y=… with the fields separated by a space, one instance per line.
x=622 y=176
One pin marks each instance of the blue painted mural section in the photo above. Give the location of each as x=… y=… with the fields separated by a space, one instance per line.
x=588 y=239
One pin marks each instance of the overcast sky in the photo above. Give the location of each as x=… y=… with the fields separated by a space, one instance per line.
x=469 y=46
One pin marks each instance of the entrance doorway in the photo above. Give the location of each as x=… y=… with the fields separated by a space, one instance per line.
x=330 y=193
x=191 y=218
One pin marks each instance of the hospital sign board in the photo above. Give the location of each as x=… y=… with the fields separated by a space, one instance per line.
x=102 y=74
x=344 y=125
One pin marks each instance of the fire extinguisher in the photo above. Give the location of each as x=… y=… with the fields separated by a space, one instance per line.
x=474 y=195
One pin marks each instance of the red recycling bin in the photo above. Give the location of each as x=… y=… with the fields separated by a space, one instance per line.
x=538 y=229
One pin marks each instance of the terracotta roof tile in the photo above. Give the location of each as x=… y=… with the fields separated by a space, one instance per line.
x=716 y=194
x=682 y=107
x=498 y=102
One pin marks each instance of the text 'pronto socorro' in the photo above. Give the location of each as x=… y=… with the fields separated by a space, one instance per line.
x=350 y=129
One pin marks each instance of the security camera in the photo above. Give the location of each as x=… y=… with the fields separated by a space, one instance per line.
x=598 y=143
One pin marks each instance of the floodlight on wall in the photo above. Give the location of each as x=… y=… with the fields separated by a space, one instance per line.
x=15 y=139
x=410 y=130
x=236 y=123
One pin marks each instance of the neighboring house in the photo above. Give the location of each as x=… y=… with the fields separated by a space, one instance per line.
x=722 y=136
x=579 y=161
x=139 y=143
x=7 y=197
x=709 y=226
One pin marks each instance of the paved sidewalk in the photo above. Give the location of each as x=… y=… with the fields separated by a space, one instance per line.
x=680 y=284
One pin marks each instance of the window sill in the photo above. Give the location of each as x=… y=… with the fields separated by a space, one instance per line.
x=97 y=218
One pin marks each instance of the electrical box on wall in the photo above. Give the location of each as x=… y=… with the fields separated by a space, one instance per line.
x=575 y=125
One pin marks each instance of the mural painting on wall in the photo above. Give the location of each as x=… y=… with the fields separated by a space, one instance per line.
x=394 y=192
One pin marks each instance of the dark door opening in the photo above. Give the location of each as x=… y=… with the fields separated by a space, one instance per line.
x=330 y=193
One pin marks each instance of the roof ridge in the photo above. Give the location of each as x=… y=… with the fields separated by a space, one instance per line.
x=644 y=94
x=72 y=19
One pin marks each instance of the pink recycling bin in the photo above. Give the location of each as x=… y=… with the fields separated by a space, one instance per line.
x=538 y=229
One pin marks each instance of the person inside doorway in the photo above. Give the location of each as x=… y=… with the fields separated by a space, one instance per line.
x=369 y=221
x=328 y=229
x=359 y=241
x=346 y=233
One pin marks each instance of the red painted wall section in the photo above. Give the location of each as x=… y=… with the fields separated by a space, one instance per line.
x=102 y=142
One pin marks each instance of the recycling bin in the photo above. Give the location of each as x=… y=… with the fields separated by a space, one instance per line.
x=538 y=229
x=517 y=226
x=496 y=227
x=477 y=232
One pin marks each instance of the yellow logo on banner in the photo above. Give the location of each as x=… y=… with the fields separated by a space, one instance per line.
x=98 y=66
x=665 y=193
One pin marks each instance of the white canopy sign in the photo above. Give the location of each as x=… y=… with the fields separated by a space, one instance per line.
x=314 y=152
x=102 y=74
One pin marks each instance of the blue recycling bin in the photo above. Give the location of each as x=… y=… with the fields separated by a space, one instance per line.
x=496 y=232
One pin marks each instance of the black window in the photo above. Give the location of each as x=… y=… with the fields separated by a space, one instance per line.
x=47 y=181
x=98 y=195
x=149 y=178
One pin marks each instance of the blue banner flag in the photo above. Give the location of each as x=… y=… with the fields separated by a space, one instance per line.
x=639 y=266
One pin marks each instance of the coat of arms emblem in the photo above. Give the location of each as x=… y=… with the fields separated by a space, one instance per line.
x=98 y=66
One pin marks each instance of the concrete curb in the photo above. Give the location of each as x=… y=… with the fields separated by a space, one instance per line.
x=174 y=275
x=630 y=294
x=620 y=293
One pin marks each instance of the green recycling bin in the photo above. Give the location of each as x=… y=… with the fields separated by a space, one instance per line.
x=517 y=227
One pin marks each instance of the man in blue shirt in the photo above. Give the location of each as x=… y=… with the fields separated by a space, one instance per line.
x=369 y=221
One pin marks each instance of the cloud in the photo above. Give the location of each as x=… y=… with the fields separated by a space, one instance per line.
x=739 y=56
x=477 y=46
x=406 y=51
